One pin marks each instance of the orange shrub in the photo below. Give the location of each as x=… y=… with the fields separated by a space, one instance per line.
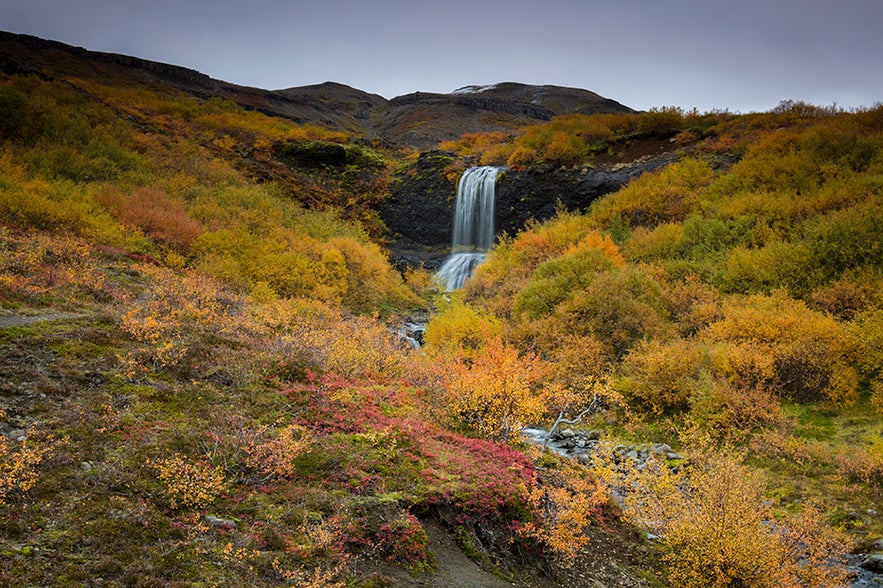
x=563 y=150
x=521 y=156
x=563 y=503
x=498 y=392
x=152 y=211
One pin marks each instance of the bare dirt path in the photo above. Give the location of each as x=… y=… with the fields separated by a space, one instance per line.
x=24 y=319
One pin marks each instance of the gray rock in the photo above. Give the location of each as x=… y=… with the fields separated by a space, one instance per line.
x=219 y=522
x=671 y=455
x=660 y=448
x=873 y=563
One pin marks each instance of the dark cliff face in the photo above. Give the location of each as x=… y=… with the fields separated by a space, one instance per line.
x=420 y=210
x=538 y=192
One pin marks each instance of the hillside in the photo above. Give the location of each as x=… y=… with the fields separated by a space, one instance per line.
x=204 y=379
x=417 y=120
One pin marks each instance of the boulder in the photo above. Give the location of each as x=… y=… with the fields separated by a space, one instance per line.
x=873 y=563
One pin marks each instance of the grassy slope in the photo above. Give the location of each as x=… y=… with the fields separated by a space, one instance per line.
x=220 y=415
x=196 y=389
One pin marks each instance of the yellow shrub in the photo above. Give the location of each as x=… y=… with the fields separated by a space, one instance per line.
x=521 y=156
x=660 y=243
x=188 y=484
x=459 y=329
x=717 y=532
x=18 y=466
x=499 y=392
x=660 y=376
x=778 y=343
x=669 y=195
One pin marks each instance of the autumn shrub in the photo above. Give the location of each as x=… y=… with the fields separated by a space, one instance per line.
x=459 y=329
x=777 y=265
x=19 y=461
x=404 y=542
x=662 y=120
x=40 y=204
x=866 y=334
x=619 y=308
x=499 y=154
x=848 y=238
x=659 y=376
x=849 y=295
x=780 y=344
x=708 y=236
x=510 y=265
x=44 y=268
x=152 y=211
x=692 y=304
x=718 y=531
x=554 y=281
x=772 y=164
x=273 y=454
x=564 y=501
x=185 y=324
x=563 y=149
x=521 y=156
x=730 y=412
x=661 y=242
x=669 y=195
x=296 y=335
x=187 y=483
x=498 y=392
x=474 y=144
x=256 y=236
x=859 y=462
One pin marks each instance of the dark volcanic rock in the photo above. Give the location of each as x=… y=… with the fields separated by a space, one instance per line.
x=536 y=193
x=419 y=212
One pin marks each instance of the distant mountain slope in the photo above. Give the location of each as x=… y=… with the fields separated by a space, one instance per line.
x=419 y=120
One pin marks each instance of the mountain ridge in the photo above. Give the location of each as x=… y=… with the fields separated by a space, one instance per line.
x=418 y=120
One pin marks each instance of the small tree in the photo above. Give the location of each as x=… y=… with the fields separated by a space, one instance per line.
x=499 y=391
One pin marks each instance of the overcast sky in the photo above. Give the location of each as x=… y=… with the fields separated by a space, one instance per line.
x=741 y=56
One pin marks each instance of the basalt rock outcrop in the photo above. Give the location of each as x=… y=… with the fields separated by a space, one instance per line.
x=420 y=209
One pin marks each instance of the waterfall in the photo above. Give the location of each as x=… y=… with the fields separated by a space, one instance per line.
x=473 y=226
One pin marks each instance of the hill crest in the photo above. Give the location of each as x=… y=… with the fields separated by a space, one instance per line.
x=420 y=120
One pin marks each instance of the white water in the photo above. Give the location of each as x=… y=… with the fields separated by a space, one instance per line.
x=473 y=226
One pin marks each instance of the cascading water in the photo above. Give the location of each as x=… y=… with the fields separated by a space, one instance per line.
x=473 y=226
